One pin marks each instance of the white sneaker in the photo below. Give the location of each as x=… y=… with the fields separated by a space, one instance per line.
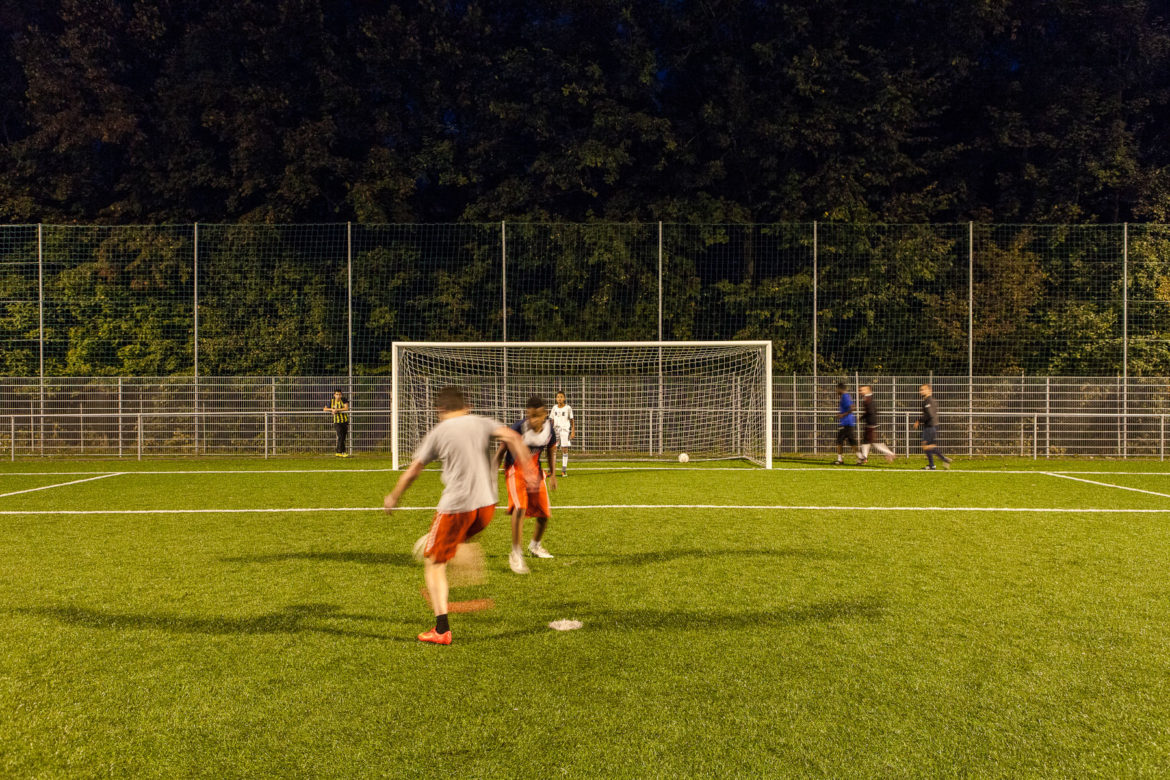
x=516 y=561
x=537 y=549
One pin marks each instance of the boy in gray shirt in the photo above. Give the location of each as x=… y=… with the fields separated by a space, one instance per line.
x=470 y=490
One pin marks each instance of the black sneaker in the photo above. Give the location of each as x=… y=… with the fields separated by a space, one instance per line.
x=929 y=468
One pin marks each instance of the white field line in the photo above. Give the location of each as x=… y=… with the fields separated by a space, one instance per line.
x=59 y=484
x=786 y=470
x=778 y=507
x=1106 y=484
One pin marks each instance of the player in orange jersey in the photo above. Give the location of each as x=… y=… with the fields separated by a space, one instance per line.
x=538 y=434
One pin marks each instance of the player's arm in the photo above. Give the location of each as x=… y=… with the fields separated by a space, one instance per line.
x=572 y=426
x=498 y=458
x=408 y=476
x=520 y=454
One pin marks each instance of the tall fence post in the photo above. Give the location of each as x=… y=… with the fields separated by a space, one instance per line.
x=970 y=338
x=41 y=330
x=503 y=305
x=1125 y=340
x=814 y=337
x=661 y=391
x=195 y=315
x=349 y=328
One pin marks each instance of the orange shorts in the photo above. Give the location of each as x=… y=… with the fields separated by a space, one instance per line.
x=534 y=503
x=450 y=531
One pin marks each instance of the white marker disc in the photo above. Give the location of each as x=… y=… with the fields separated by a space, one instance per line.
x=565 y=625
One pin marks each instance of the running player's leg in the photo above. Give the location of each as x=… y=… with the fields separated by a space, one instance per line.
x=539 y=507
x=517 y=506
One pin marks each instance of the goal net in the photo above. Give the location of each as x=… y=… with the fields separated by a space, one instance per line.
x=643 y=400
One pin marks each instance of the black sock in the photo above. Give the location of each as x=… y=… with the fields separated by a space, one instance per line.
x=441 y=625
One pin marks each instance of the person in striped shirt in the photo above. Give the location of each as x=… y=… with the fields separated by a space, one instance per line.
x=339 y=407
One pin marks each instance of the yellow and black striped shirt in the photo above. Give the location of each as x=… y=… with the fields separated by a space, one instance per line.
x=336 y=405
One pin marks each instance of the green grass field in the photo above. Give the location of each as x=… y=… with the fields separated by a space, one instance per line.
x=1002 y=619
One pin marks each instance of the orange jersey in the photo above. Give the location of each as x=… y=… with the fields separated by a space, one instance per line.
x=535 y=502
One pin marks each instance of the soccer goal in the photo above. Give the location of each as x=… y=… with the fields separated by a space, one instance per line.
x=631 y=399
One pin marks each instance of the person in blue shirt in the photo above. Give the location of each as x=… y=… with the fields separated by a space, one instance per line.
x=846 y=423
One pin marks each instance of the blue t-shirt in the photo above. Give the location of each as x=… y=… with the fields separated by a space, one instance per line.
x=846 y=406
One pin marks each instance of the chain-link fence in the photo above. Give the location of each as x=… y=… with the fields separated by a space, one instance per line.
x=305 y=300
x=203 y=307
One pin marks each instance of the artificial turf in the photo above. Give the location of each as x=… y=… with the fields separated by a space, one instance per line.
x=854 y=641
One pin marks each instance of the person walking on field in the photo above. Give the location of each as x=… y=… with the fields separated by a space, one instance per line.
x=928 y=421
x=869 y=418
x=846 y=424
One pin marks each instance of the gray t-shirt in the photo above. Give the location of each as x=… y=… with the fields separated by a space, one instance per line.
x=461 y=443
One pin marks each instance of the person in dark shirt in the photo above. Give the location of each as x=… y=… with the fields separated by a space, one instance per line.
x=869 y=418
x=928 y=421
x=846 y=424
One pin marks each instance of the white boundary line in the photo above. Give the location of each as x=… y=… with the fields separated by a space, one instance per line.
x=1106 y=484
x=783 y=470
x=761 y=507
x=59 y=484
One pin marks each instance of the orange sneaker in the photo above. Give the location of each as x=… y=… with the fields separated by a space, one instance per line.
x=434 y=637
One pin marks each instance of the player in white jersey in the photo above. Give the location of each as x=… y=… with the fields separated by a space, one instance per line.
x=566 y=427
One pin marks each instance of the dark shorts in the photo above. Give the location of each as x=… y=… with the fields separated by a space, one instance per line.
x=847 y=434
x=929 y=435
x=871 y=434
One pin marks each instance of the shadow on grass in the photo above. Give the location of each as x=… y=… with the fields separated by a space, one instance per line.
x=640 y=621
x=344 y=556
x=664 y=556
x=871 y=609
x=293 y=619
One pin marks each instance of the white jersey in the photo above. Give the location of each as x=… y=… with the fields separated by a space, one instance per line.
x=561 y=416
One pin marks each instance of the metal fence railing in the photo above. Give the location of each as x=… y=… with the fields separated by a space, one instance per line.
x=139 y=417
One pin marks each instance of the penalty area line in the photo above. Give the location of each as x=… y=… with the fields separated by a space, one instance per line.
x=1106 y=484
x=59 y=484
x=586 y=507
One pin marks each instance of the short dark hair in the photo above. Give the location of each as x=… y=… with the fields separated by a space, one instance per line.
x=450 y=399
x=338 y=391
x=535 y=402
x=558 y=392
x=840 y=385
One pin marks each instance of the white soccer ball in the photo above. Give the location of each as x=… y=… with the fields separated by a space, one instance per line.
x=683 y=457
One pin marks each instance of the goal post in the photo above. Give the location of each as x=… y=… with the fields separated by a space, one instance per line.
x=631 y=399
